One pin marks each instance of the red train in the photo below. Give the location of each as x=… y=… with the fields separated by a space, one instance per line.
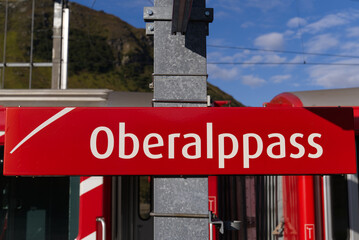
x=295 y=207
x=118 y=208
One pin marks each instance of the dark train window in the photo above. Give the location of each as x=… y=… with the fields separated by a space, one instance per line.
x=33 y=208
x=357 y=147
x=144 y=203
x=339 y=207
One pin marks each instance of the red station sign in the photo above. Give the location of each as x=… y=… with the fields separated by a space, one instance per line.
x=179 y=141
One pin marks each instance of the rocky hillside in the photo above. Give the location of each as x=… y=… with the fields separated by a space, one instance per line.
x=104 y=51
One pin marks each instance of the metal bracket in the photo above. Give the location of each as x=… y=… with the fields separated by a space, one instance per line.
x=223 y=225
x=214 y=220
x=150 y=28
x=279 y=229
x=151 y=14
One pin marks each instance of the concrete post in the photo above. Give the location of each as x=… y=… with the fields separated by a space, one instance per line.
x=56 y=45
x=64 y=47
x=180 y=80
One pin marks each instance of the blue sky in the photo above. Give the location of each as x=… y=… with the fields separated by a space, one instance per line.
x=323 y=33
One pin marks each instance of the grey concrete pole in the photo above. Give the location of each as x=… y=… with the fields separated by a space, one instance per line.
x=180 y=80
x=5 y=40
x=64 y=47
x=56 y=45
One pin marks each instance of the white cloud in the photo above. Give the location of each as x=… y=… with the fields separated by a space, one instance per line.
x=220 y=57
x=297 y=59
x=226 y=74
x=213 y=56
x=326 y=22
x=252 y=81
x=274 y=58
x=237 y=57
x=296 y=21
x=321 y=43
x=332 y=20
x=217 y=41
x=255 y=59
x=247 y=24
x=350 y=48
x=270 y=41
x=289 y=33
x=335 y=76
x=280 y=78
x=353 y=32
x=266 y=58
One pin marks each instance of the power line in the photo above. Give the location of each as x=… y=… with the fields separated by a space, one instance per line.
x=93 y=4
x=282 y=63
x=300 y=30
x=283 y=51
x=244 y=63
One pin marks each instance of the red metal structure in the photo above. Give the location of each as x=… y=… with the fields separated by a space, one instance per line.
x=309 y=202
x=298 y=191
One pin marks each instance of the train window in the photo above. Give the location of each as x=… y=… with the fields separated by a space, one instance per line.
x=339 y=207
x=357 y=147
x=35 y=224
x=4 y=201
x=144 y=188
x=33 y=208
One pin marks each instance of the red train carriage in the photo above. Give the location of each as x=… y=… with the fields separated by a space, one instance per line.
x=321 y=207
x=295 y=207
x=40 y=208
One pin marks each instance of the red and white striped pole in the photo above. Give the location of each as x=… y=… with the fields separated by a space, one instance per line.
x=91 y=207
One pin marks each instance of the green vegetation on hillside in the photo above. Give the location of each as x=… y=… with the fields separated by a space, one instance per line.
x=104 y=51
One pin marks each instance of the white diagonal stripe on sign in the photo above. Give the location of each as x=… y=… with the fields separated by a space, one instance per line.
x=43 y=125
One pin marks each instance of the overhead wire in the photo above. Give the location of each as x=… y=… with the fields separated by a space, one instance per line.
x=300 y=30
x=283 y=51
x=276 y=51
x=93 y=4
x=303 y=53
x=283 y=63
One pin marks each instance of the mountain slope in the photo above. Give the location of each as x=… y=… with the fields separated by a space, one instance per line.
x=104 y=51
